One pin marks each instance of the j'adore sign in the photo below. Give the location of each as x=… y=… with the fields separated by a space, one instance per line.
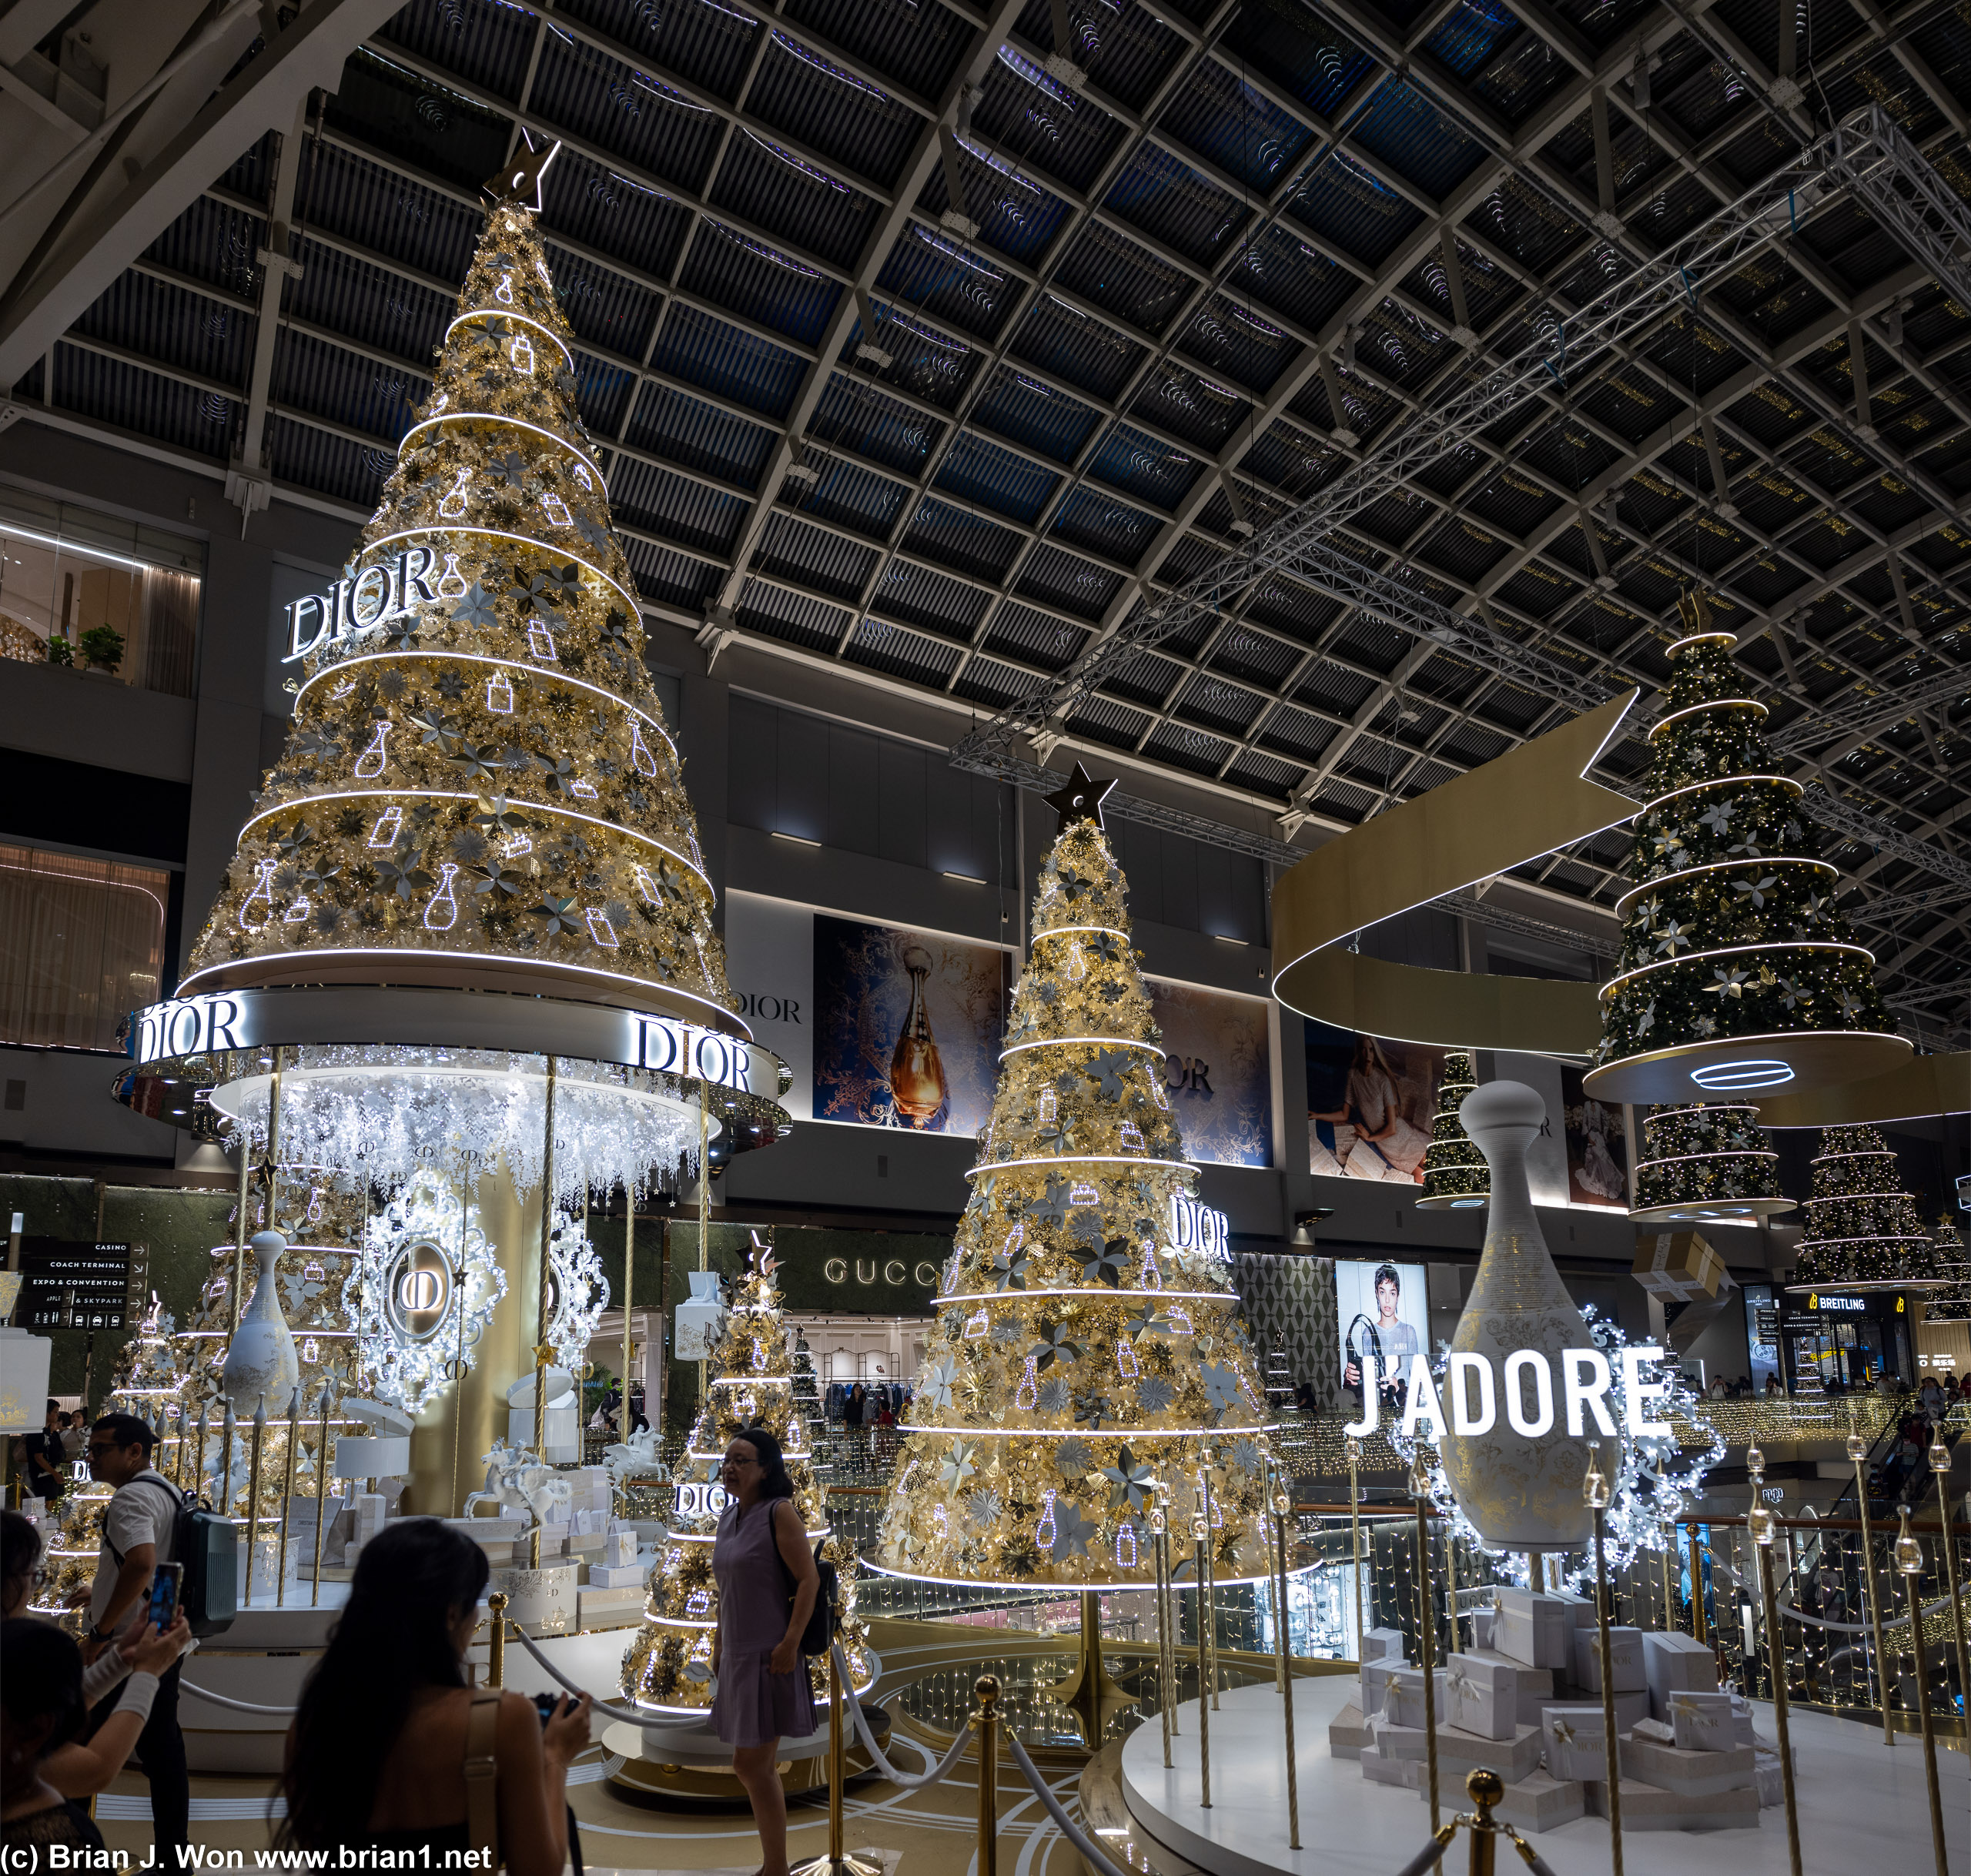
x=1535 y=1401
x=244 y=1019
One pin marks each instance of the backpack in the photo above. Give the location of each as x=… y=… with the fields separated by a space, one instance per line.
x=207 y=1545
x=824 y=1618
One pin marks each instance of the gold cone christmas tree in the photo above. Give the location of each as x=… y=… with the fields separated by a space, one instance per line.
x=1863 y=1231
x=1089 y=1346
x=667 y=1668
x=1455 y=1174
x=478 y=789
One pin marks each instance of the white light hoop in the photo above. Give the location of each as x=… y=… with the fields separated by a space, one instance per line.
x=524 y=540
x=1744 y=951
x=1082 y=1160
x=756 y=1380
x=1065 y=930
x=1722 y=781
x=1718 y=866
x=1034 y=1588
x=1719 y=703
x=512 y=319
x=1681 y=1160
x=1101 y=1041
x=1699 y=638
x=1705 y=1107
x=1749 y=1071
x=494 y=416
x=554 y=673
x=1130 y=1436
x=451 y=794
x=394 y=1111
x=971 y=1300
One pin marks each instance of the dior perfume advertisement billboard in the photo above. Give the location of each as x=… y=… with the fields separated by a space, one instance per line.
x=1370 y=1102
x=1383 y=1314
x=1218 y=1070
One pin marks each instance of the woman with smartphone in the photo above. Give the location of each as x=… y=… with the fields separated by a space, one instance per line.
x=393 y=1749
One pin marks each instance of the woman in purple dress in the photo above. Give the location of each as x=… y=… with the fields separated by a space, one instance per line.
x=766 y=1587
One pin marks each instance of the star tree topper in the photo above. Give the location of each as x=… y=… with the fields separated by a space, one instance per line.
x=519 y=182
x=1081 y=798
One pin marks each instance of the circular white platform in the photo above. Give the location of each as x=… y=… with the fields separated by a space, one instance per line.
x=1862 y=1805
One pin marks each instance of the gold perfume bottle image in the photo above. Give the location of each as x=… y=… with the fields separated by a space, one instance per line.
x=917 y=1077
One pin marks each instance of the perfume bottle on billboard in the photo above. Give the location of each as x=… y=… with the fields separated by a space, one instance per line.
x=917 y=1076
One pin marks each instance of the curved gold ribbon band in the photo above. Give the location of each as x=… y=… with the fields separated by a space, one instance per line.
x=1525 y=803
x=1925 y=1085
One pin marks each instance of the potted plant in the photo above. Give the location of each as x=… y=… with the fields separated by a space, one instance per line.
x=60 y=651
x=101 y=647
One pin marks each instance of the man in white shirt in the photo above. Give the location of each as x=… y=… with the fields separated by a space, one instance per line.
x=138 y=1528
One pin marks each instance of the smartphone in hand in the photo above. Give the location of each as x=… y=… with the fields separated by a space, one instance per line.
x=164 y=1586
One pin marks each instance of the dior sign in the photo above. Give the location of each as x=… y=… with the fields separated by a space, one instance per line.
x=392 y=589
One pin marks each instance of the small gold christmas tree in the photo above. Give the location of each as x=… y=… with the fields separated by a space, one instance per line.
x=667 y=1668
x=1088 y=1347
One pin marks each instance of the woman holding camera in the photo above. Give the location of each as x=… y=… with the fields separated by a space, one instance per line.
x=391 y=1748
x=766 y=1587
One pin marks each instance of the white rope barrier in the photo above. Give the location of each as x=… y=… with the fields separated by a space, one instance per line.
x=1434 y=1852
x=910 y=1781
x=630 y=1714
x=1092 y=1852
x=222 y=1700
x=1862 y=1628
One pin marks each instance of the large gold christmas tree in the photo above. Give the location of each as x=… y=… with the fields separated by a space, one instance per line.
x=1089 y=1348
x=478 y=789
x=667 y=1668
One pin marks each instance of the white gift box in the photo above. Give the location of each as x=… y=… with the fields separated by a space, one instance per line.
x=1382 y=1644
x=1679 y=1769
x=1742 y=1722
x=1483 y=1622
x=1459 y=1752
x=1536 y=1631
x=1348 y=1733
x=1575 y=1742
x=1481 y=1696
x=1404 y=1705
x=1375 y=1683
x=1388 y=1771
x=1676 y=1663
x=615 y=1576
x=1770 y=1776
x=1539 y=1802
x=1581 y=1609
x=620 y=1551
x=1650 y=1808
x=1703 y=1722
x=1625 y=1656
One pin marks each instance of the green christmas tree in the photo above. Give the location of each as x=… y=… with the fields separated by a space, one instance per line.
x=1863 y=1231
x=1709 y=1160
x=667 y=1668
x=1455 y=1174
x=1951 y=1302
x=1729 y=926
x=1088 y=1351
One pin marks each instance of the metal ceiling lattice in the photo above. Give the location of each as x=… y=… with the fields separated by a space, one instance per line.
x=1207 y=256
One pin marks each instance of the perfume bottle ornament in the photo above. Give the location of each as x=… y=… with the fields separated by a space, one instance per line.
x=1522 y=1492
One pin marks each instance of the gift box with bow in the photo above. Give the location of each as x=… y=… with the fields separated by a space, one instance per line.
x=1404 y=1706
x=1481 y=1696
x=1575 y=1741
x=1703 y=1722
x=1625 y=1657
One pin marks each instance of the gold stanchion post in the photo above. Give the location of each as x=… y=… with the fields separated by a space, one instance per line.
x=837 y=1862
x=321 y=1493
x=1426 y=1628
x=1758 y=1522
x=629 y=1295
x=1167 y=1694
x=1940 y=1465
x=1858 y=1451
x=1594 y=1491
x=1910 y=1563
x=287 y=1494
x=1282 y=1506
x=1201 y=1537
x=986 y=1723
x=1208 y=1586
x=253 y=1491
x=1485 y=1787
x=543 y=1353
x=496 y=1645
x=239 y=1233
x=228 y=1431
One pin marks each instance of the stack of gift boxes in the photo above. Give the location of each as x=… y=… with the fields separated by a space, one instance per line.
x=1524 y=1698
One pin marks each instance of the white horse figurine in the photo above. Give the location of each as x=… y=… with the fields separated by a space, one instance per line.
x=516 y=1482
x=636 y=1456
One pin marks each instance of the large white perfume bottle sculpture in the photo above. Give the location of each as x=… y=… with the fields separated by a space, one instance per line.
x=1523 y=1493
x=260 y=1362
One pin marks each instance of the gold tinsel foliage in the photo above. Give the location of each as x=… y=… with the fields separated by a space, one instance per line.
x=483 y=773
x=668 y=1665
x=1082 y=1361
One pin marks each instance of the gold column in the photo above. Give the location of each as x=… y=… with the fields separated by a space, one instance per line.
x=473 y=1412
